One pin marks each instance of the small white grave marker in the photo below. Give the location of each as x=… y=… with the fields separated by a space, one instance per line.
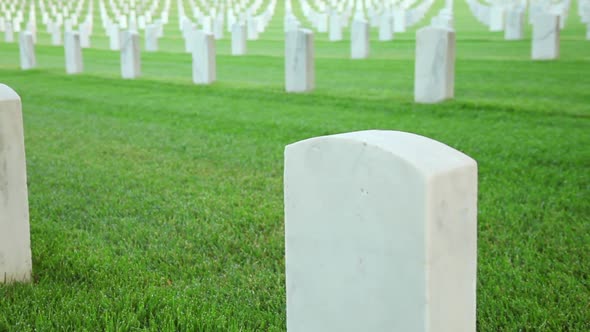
x=204 y=67
x=238 y=39
x=73 y=52
x=545 y=37
x=130 y=55
x=434 y=78
x=15 y=241
x=299 y=61
x=27 y=50
x=359 y=39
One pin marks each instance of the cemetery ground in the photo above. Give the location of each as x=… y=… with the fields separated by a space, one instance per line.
x=157 y=204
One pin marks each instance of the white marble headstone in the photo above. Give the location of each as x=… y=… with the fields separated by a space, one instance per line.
x=385 y=27
x=238 y=39
x=299 y=61
x=545 y=37
x=380 y=234
x=130 y=55
x=151 y=38
x=497 y=18
x=335 y=27
x=73 y=52
x=204 y=64
x=15 y=242
x=359 y=39
x=434 y=78
x=27 y=50
x=514 y=29
x=115 y=37
x=8 y=33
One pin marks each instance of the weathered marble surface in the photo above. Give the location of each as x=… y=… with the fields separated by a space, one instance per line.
x=204 y=65
x=434 y=79
x=299 y=61
x=151 y=38
x=359 y=39
x=545 y=42
x=380 y=234
x=15 y=243
x=514 y=29
x=73 y=52
x=130 y=55
x=27 y=50
x=238 y=39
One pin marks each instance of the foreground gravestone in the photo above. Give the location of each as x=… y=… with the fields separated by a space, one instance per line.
x=545 y=37
x=238 y=39
x=359 y=39
x=130 y=57
x=380 y=234
x=299 y=61
x=514 y=29
x=204 y=68
x=73 y=52
x=434 y=78
x=27 y=50
x=15 y=243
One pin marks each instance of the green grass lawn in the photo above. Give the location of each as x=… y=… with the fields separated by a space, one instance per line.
x=156 y=204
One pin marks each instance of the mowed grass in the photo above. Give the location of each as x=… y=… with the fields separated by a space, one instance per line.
x=158 y=205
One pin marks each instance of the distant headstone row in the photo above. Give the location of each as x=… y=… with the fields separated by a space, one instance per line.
x=147 y=17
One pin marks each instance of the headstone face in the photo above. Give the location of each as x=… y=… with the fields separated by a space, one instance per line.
x=130 y=55
x=497 y=18
x=299 y=61
x=359 y=39
x=151 y=38
x=115 y=36
x=204 y=64
x=238 y=39
x=545 y=37
x=73 y=52
x=27 y=50
x=322 y=22
x=56 y=39
x=335 y=27
x=380 y=234
x=8 y=33
x=588 y=32
x=84 y=34
x=15 y=243
x=434 y=78
x=252 y=28
x=399 y=20
x=514 y=29
x=190 y=38
x=385 y=27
